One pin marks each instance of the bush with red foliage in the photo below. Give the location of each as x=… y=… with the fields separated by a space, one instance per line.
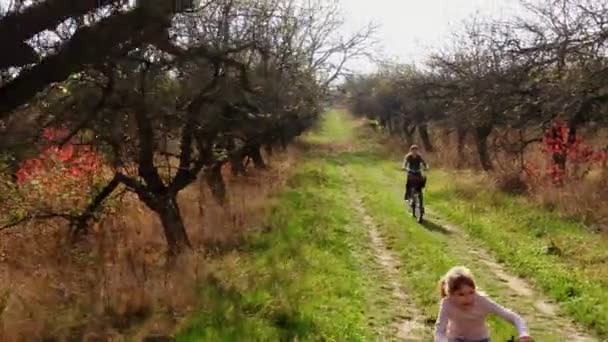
x=69 y=160
x=59 y=179
x=569 y=155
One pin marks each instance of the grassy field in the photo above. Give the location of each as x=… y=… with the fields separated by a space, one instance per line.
x=562 y=257
x=310 y=274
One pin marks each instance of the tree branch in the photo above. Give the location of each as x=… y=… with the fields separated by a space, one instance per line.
x=16 y=28
x=80 y=223
x=146 y=168
x=90 y=44
x=105 y=94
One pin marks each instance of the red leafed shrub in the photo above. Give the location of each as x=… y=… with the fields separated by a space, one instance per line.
x=530 y=169
x=569 y=155
x=61 y=177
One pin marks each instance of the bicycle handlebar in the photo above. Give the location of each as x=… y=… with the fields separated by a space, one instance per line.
x=414 y=171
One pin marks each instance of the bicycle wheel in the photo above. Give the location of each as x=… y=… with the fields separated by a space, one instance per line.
x=417 y=210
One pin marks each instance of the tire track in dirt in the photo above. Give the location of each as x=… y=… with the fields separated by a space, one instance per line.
x=408 y=322
x=545 y=310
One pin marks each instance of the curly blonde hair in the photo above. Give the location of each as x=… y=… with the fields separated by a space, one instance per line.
x=454 y=279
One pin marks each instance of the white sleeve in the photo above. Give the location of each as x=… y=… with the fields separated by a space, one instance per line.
x=507 y=315
x=426 y=165
x=442 y=323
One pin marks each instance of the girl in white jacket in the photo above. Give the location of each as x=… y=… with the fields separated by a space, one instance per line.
x=463 y=311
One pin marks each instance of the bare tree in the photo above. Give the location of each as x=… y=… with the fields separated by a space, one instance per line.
x=180 y=100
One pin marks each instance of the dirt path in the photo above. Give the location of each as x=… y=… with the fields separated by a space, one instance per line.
x=545 y=313
x=408 y=322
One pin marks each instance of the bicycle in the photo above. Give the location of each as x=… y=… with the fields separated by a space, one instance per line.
x=416 y=197
x=512 y=339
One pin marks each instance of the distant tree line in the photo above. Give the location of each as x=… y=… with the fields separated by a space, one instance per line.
x=500 y=84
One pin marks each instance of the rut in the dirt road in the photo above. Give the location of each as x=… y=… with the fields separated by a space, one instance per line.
x=545 y=310
x=407 y=320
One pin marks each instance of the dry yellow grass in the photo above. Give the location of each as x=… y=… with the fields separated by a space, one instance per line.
x=115 y=283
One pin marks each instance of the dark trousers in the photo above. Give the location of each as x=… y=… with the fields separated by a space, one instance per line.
x=414 y=180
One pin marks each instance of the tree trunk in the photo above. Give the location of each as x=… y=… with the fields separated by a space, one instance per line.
x=283 y=141
x=236 y=159
x=214 y=179
x=409 y=134
x=461 y=136
x=481 y=140
x=269 y=150
x=383 y=122
x=424 y=136
x=389 y=125
x=560 y=158
x=256 y=156
x=578 y=118
x=236 y=164
x=173 y=227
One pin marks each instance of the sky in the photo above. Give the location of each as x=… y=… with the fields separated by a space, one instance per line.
x=410 y=29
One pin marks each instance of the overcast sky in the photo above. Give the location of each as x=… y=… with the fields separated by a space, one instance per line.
x=409 y=29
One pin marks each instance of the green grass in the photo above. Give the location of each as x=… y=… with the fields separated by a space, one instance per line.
x=311 y=274
x=335 y=128
x=299 y=280
x=308 y=277
x=566 y=261
x=427 y=252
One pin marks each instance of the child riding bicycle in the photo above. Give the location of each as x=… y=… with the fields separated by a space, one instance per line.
x=412 y=163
